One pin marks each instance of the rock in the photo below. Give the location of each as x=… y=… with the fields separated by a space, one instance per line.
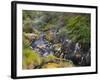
x=42 y=46
x=30 y=36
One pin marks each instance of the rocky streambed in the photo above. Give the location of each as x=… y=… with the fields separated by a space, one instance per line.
x=67 y=50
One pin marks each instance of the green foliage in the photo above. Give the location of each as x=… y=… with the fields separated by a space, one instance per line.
x=36 y=31
x=63 y=33
x=48 y=58
x=51 y=56
x=79 y=28
x=27 y=28
x=31 y=57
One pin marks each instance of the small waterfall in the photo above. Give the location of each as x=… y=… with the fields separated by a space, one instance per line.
x=77 y=48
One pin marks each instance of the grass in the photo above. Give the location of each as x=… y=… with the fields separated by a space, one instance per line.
x=31 y=58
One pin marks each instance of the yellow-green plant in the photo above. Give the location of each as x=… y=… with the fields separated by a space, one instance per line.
x=31 y=57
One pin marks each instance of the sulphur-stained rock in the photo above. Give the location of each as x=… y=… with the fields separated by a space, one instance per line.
x=58 y=65
x=51 y=65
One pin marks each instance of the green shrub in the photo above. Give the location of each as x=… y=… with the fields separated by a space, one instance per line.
x=31 y=57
